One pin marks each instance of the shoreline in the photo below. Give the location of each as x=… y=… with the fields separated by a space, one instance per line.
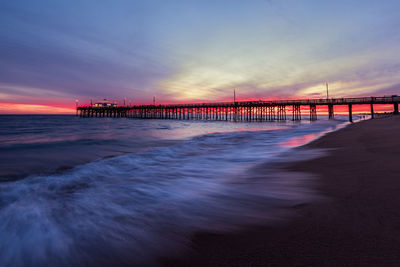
x=358 y=223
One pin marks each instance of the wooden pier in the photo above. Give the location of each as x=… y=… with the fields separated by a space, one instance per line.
x=277 y=110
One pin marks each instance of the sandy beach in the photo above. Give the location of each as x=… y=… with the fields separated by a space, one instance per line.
x=358 y=224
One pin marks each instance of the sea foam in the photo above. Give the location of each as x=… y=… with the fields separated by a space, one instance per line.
x=133 y=208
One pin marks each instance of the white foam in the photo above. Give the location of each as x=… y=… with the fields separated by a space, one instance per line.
x=132 y=208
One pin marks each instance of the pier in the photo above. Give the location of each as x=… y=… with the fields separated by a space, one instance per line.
x=275 y=110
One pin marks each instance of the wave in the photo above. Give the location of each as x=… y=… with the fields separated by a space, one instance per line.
x=133 y=208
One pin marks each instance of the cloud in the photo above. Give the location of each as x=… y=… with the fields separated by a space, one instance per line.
x=194 y=51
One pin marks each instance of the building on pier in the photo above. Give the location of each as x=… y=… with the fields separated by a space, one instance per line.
x=105 y=104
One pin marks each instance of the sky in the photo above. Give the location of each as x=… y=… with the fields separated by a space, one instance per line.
x=54 y=52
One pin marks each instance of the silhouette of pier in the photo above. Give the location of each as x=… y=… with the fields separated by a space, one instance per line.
x=275 y=110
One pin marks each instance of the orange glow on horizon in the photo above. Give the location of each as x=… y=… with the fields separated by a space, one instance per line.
x=18 y=108
x=22 y=108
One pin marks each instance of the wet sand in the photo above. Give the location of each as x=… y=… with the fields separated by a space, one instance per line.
x=358 y=224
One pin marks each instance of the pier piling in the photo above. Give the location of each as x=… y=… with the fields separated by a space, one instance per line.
x=313 y=112
x=350 y=113
x=330 y=111
x=372 y=111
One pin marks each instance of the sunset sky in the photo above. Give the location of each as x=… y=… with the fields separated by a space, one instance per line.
x=53 y=52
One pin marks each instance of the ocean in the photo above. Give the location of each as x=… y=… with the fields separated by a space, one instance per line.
x=102 y=191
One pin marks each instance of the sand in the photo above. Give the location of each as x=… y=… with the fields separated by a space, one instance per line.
x=358 y=224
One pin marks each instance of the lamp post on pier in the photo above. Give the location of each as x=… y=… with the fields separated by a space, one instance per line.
x=76 y=106
x=327 y=92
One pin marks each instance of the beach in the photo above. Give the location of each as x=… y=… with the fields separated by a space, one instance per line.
x=357 y=223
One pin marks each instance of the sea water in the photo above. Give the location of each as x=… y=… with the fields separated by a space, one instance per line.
x=103 y=191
